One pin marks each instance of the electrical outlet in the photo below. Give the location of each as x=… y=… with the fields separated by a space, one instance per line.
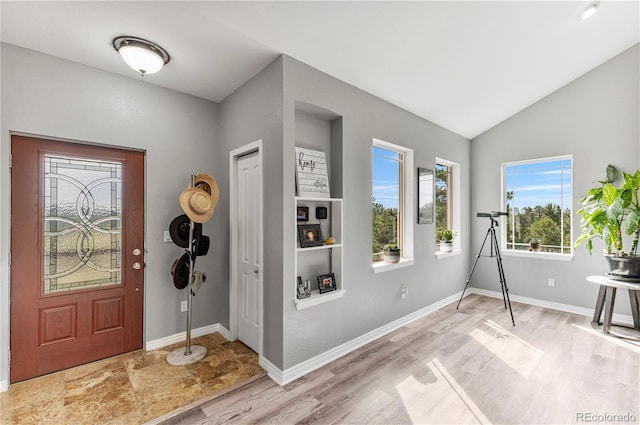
x=552 y=282
x=183 y=306
x=404 y=291
x=167 y=236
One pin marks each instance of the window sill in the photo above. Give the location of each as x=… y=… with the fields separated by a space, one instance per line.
x=381 y=266
x=441 y=255
x=538 y=255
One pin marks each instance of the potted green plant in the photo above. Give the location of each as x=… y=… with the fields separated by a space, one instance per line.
x=391 y=253
x=607 y=212
x=446 y=237
x=534 y=244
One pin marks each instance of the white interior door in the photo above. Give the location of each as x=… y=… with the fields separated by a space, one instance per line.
x=248 y=256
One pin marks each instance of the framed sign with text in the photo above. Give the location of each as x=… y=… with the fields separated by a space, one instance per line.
x=312 y=177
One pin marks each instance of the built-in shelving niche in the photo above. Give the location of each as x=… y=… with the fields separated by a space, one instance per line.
x=320 y=129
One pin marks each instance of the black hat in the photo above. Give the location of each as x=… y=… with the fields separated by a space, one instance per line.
x=201 y=246
x=180 y=271
x=179 y=230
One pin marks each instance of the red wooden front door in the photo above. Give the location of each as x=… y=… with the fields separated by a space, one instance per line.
x=77 y=254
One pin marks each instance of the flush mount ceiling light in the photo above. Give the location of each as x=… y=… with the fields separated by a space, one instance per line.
x=140 y=54
x=589 y=10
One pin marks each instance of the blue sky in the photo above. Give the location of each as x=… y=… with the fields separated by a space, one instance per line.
x=535 y=183
x=385 y=177
x=539 y=183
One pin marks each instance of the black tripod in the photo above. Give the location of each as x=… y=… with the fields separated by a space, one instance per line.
x=495 y=253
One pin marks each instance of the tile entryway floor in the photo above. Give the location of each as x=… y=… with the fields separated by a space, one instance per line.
x=128 y=389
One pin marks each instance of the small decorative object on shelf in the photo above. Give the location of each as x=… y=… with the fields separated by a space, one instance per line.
x=330 y=241
x=310 y=235
x=304 y=289
x=534 y=244
x=321 y=213
x=302 y=213
x=327 y=283
x=391 y=253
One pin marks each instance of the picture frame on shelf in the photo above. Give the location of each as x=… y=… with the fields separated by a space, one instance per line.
x=327 y=282
x=321 y=213
x=310 y=235
x=303 y=290
x=302 y=213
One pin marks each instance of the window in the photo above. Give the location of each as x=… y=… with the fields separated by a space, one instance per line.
x=447 y=200
x=537 y=199
x=392 y=167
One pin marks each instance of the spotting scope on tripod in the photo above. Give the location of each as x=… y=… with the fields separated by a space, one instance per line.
x=494 y=253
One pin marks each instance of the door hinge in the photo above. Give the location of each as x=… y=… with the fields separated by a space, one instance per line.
x=10 y=160
x=9 y=259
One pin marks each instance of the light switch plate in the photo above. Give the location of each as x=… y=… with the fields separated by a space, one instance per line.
x=167 y=236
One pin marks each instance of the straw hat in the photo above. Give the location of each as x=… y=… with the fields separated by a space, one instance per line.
x=200 y=201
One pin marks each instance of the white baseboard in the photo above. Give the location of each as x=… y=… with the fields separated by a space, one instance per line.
x=4 y=386
x=272 y=371
x=182 y=336
x=301 y=369
x=224 y=332
x=617 y=318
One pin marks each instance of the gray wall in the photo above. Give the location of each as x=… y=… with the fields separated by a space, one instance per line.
x=372 y=300
x=251 y=113
x=595 y=118
x=43 y=95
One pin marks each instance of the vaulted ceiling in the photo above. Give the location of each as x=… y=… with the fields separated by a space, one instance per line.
x=464 y=65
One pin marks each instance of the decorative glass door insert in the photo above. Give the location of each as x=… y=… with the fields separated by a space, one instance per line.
x=82 y=224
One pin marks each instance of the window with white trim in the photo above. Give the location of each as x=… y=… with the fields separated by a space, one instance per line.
x=447 y=201
x=537 y=196
x=392 y=189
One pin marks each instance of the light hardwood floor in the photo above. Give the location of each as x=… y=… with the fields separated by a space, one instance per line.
x=456 y=366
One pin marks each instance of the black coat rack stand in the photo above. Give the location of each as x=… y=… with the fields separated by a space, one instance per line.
x=191 y=353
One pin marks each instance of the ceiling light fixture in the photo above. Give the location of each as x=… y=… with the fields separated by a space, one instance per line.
x=589 y=10
x=140 y=54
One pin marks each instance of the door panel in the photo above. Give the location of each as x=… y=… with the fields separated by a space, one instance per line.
x=57 y=324
x=249 y=237
x=77 y=216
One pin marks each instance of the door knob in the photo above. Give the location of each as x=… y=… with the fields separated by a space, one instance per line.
x=136 y=266
x=137 y=252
